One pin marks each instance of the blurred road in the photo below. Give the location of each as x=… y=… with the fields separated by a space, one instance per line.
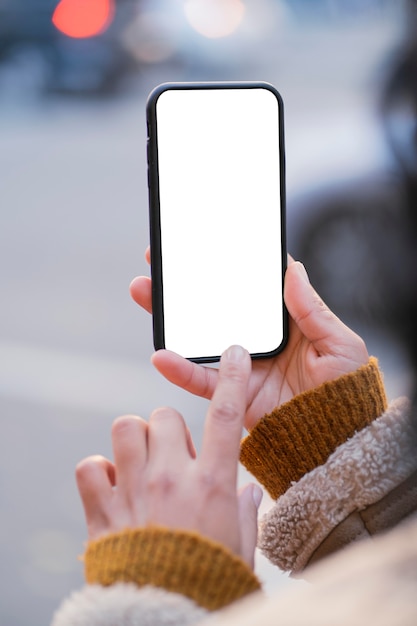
x=74 y=349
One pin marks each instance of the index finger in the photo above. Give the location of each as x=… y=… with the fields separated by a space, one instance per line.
x=224 y=420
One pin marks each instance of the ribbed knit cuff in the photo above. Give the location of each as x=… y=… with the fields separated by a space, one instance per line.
x=301 y=434
x=178 y=561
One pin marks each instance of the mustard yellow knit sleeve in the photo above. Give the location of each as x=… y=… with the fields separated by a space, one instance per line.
x=178 y=561
x=301 y=434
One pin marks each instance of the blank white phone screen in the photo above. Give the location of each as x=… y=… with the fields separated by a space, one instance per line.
x=220 y=215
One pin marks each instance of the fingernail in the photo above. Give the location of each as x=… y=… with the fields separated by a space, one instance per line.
x=302 y=271
x=236 y=353
x=257 y=495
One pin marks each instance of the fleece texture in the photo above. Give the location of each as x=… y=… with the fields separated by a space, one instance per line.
x=371 y=583
x=359 y=473
x=124 y=604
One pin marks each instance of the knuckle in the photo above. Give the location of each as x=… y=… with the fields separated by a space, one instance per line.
x=212 y=486
x=209 y=484
x=226 y=412
x=162 y=483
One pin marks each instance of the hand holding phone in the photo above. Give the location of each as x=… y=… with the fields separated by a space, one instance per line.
x=217 y=196
x=320 y=348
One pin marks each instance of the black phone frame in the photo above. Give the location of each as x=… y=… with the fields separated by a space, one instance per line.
x=154 y=206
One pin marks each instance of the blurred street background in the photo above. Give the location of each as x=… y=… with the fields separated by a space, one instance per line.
x=74 y=349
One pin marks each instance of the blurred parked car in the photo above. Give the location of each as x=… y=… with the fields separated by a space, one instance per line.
x=344 y=233
x=56 y=61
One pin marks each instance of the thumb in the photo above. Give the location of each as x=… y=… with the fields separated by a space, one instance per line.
x=313 y=318
x=250 y=498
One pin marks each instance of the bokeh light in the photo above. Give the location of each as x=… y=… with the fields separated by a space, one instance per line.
x=81 y=19
x=150 y=37
x=214 y=18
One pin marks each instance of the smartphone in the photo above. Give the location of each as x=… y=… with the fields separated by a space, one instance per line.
x=217 y=218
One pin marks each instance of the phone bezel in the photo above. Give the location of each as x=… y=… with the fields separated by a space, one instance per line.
x=154 y=207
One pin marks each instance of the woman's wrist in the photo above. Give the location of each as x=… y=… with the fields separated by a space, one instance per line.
x=301 y=434
x=183 y=562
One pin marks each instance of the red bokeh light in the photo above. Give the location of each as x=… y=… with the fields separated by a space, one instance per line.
x=83 y=18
